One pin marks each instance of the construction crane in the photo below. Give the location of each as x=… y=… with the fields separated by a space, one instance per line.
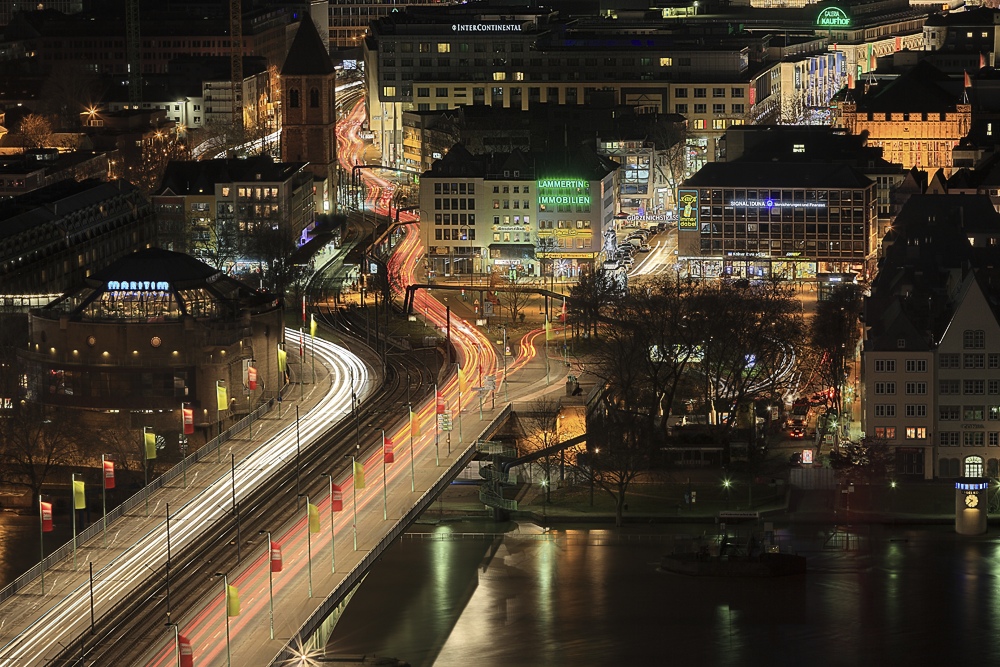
x=236 y=62
x=133 y=53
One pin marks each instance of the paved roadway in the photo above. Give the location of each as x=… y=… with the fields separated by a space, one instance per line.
x=34 y=628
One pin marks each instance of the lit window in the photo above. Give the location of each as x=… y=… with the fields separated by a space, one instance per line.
x=666 y=62
x=444 y=48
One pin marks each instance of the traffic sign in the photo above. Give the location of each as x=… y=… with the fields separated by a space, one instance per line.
x=444 y=421
x=490 y=383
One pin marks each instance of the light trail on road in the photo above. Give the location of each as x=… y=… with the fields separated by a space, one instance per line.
x=69 y=617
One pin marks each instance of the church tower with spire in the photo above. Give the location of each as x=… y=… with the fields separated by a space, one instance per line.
x=308 y=111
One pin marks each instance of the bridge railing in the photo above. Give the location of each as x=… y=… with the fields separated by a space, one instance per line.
x=303 y=638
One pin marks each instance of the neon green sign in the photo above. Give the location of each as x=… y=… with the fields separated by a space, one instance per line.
x=566 y=191
x=566 y=183
x=833 y=17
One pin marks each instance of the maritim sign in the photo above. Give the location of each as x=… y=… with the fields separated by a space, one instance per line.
x=138 y=286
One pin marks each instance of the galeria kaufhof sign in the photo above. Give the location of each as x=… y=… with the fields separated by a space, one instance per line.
x=833 y=17
x=566 y=191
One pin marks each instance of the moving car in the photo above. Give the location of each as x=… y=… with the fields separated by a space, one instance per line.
x=797 y=433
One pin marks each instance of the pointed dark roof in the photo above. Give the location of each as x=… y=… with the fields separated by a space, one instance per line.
x=922 y=88
x=308 y=55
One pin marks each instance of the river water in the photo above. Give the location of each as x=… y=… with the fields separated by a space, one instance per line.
x=455 y=595
x=597 y=597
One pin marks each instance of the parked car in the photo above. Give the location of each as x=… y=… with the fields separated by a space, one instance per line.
x=644 y=247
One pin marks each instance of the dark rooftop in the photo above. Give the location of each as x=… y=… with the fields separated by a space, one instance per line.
x=782 y=174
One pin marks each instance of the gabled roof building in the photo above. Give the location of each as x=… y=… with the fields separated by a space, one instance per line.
x=930 y=362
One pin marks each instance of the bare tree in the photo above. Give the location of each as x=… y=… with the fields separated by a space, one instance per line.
x=513 y=296
x=217 y=243
x=36 y=439
x=659 y=325
x=592 y=296
x=68 y=89
x=834 y=334
x=35 y=131
x=622 y=450
x=156 y=152
x=751 y=329
x=540 y=426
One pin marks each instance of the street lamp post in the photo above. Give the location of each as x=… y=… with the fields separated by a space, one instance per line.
x=177 y=643
x=413 y=478
x=354 y=495
x=309 y=547
x=236 y=507
x=298 y=454
x=270 y=582
x=333 y=533
x=385 y=491
x=225 y=612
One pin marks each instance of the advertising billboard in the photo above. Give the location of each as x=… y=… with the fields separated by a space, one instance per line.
x=687 y=210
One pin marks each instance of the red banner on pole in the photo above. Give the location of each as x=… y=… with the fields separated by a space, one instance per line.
x=251 y=378
x=389 y=447
x=275 y=557
x=109 y=474
x=187 y=653
x=188 y=419
x=338 y=499
x=46 y=517
x=440 y=403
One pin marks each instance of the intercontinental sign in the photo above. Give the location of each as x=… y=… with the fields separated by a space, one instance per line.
x=486 y=27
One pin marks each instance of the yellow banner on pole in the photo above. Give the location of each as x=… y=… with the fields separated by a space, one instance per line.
x=79 y=497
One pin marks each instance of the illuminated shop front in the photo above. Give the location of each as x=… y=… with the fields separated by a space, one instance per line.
x=768 y=220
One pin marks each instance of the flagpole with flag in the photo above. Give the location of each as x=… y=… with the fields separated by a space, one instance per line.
x=232 y=598
x=45 y=526
x=79 y=503
x=965 y=88
x=461 y=381
x=107 y=473
x=221 y=403
x=358 y=472
x=149 y=445
x=548 y=335
x=414 y=433
x=438 y=410
x=388 y=456
x=312 y=526
x=312 y=342
x=270 y=578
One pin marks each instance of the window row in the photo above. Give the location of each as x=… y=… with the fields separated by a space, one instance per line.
x=517 y=204
x=454 y=188
x=968 y=412
x=454 y=218
x=912 y=365
x=456 y=204
x=969 y=360
x=956 y=387
x=716 y=108
x=703 y=92
x=455 y=234
x=968 y=438
x=886 y=388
